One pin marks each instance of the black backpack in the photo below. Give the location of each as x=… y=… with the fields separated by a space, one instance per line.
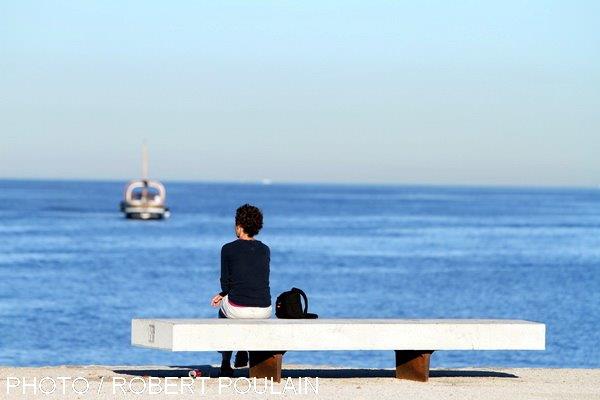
x=289 y=305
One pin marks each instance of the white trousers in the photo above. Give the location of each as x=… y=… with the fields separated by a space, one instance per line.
x=232 y=311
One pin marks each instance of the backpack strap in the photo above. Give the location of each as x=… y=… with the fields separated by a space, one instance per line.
x=301 y=292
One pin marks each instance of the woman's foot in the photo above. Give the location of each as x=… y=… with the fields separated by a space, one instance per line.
x=241 y=359
x=226 y=371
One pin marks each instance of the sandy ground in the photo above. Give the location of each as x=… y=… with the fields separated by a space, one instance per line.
x=300 y=382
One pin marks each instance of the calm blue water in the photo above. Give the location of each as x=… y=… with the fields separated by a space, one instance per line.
x=74 y=272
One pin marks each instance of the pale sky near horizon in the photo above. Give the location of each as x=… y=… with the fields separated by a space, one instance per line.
x=307 y=91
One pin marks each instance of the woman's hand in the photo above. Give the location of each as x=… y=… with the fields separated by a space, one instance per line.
x=216 y=300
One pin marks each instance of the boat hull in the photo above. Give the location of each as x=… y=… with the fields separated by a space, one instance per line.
x=145 y=213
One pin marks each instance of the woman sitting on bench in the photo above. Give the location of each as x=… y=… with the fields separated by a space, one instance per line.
x=245 y=291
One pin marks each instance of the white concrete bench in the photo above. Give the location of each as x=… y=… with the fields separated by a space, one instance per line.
x=413 y=340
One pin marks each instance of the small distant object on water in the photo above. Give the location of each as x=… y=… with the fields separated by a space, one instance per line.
x=266 y=181
x=145 y=198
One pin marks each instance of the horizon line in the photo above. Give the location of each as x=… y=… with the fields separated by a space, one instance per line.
x=261 y=182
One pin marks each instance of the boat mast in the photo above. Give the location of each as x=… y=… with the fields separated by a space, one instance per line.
x=144 y=161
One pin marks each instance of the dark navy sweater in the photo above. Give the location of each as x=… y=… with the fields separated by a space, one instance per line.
x=245 y=273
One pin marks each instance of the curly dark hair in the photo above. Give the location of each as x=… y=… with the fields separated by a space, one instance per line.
x=250 y=218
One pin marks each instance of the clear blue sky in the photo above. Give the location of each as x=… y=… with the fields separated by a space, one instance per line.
x=339 y=91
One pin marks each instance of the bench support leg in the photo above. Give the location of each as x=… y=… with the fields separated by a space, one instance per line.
x=413 y=364
x=266 y=364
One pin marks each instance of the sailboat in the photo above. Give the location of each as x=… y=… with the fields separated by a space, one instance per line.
x=145 y=198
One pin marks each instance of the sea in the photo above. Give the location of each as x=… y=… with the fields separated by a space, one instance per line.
x=74 y=271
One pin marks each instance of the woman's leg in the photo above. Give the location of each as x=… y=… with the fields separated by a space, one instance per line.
x=226 y=369
x=241 y=359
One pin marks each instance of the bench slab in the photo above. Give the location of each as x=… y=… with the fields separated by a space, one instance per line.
x=337 y=334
